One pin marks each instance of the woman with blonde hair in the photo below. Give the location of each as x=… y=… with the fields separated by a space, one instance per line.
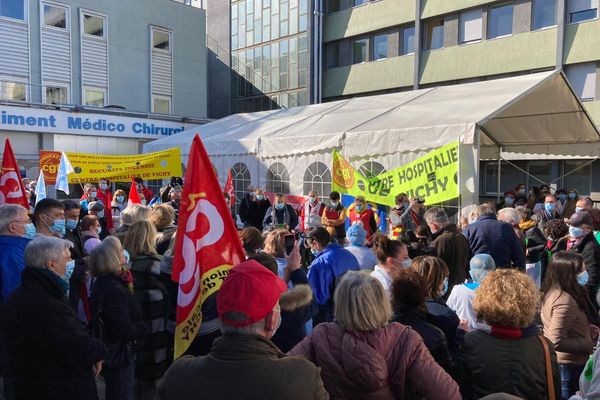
x=117 y=316
x=275 y=246
x=363 y=355
x=118 y=204
x=130 y=215
x=505 y=353
x=151 y=360
x=162 y=217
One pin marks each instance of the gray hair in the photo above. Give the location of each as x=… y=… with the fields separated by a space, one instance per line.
x=486 y=209
x=43 y=249
x=8 y=214
x=480 y=265
x=105 y=258
x=257 y=328
x=134 y=213
x=436 y=215
x=469 y=211
x=509 y=215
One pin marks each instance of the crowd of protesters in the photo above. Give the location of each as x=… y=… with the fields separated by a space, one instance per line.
x=502 y=303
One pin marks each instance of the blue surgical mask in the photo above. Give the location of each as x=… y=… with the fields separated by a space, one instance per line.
x=358 y=208
x=30 y=231
x=279 y=206
x=562 y=197
x=314 y=252
x=549 y=207
x=100 y=214
x=582 y=278
x=143 y=202
x=509 y=201
x=120 y=199
x=576 y=232
x=103 y=186
x=126 y=254
x=93 y=195
x=99 y=230
x=578 y=209
x=68 y=271
x=406 y=263
x=58 y=226
x=71 y=224
x=572 y=195
x=445 y=288
x=312 y=200
x=260 y=197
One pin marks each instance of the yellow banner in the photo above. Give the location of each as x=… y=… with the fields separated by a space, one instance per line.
x=116 y=168
x=433 y=177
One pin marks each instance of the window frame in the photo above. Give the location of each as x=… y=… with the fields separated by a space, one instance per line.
x=53 y=84
x=104 y=18
x=429 y=40
x=373 y=46
x=25 y=19
x=402 y=50
x=162 y=97
x=67 y=10
x=325 y=179
x=154 y=29
x=570 y=22
x=367 y=50
x=270 y=180
x=97 y=89
x=533 y=28
x=489 y=19
x=461 y=29
x=9 y=79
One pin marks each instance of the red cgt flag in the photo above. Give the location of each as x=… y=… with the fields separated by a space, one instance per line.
x=229 y=189
x=134 y=197
x=12 y=190
x=206 y=247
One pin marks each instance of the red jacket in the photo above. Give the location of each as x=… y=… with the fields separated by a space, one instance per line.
x=367 y=217
x=148 y=194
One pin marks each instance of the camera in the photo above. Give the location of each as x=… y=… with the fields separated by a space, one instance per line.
x=420 y=200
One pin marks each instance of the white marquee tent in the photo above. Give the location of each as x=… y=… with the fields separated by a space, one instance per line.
x=524 y=117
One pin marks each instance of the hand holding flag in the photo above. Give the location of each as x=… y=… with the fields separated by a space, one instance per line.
x=12 y=190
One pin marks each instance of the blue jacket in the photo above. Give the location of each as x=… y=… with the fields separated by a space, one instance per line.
x=12 y=263
x=496 y=238
x=329 y=265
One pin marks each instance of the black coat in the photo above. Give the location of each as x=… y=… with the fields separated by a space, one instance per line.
x=447 y=320
x=253 y=212
x=590 y=250
x=50 y=355
x=536 y=243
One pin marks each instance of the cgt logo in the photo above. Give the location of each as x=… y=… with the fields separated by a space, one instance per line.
x=189 y=279
x=9 y=186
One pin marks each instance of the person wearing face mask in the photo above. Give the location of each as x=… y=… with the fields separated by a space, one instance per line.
x=509 y=200
x=392 y=256
x=145 y=193
x=104 y=196
x=413 y=217
x=249 y=210
x=520 y=189
x=90 y=230
x=14 y=236
x=119 y=203
x=175 y=199
x=280 y=215
x=435 y=271
x=117 y=316
x=359 y=212
x=334 y=216
x=396 y=225
x=310 y=216
x=357 y=238
x=90 y=194
x=98 y=210
x=567 y=316
x=549 y=212
x=581 y=240
x=562 y=199
x=572 y=199
x=584 y=204
x=244 y=362
x=49 y=218
x=50 y=354
x=330 y=263
x=449 y=245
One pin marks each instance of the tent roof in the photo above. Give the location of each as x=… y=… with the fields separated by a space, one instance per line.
x=535 y=114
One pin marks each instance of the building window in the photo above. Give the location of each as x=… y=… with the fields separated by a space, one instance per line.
x=13 y=91
x=93 y=25
x=470 y=26
x=371 y=169
x=544 y=13
x=13 y=9
x=356 y=3
x=55 y=16
x=56 y=94
x=333 y=6
x=161 y=105
x=359 y=51
x=581 y=179
x=161 y=40
x=278 y=179
x=582 y=10
x=94 y=97
x=500 y=21
x=408 y=40
x=434 y=33
x=510 y=176
x=241 y=180
x=333 y=55
x=380 y=47
x=318 y=178
x=582 y=78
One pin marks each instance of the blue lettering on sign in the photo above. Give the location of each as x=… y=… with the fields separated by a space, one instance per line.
x=14 y=119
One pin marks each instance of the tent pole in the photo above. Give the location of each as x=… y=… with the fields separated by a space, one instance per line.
x=499 y=174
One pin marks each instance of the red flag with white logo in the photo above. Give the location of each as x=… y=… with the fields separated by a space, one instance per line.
x=134 y=197
x=206 y=247
x=229 y=189
x=12 y=190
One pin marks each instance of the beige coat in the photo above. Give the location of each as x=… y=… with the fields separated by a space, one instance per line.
x=567 y=326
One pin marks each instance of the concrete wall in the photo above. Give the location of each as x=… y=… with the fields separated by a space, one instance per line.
x=128 y=24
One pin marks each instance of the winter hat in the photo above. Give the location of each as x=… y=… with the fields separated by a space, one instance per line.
x=356 y=235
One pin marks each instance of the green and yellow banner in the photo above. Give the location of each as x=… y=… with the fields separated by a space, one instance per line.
x=433 y=177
